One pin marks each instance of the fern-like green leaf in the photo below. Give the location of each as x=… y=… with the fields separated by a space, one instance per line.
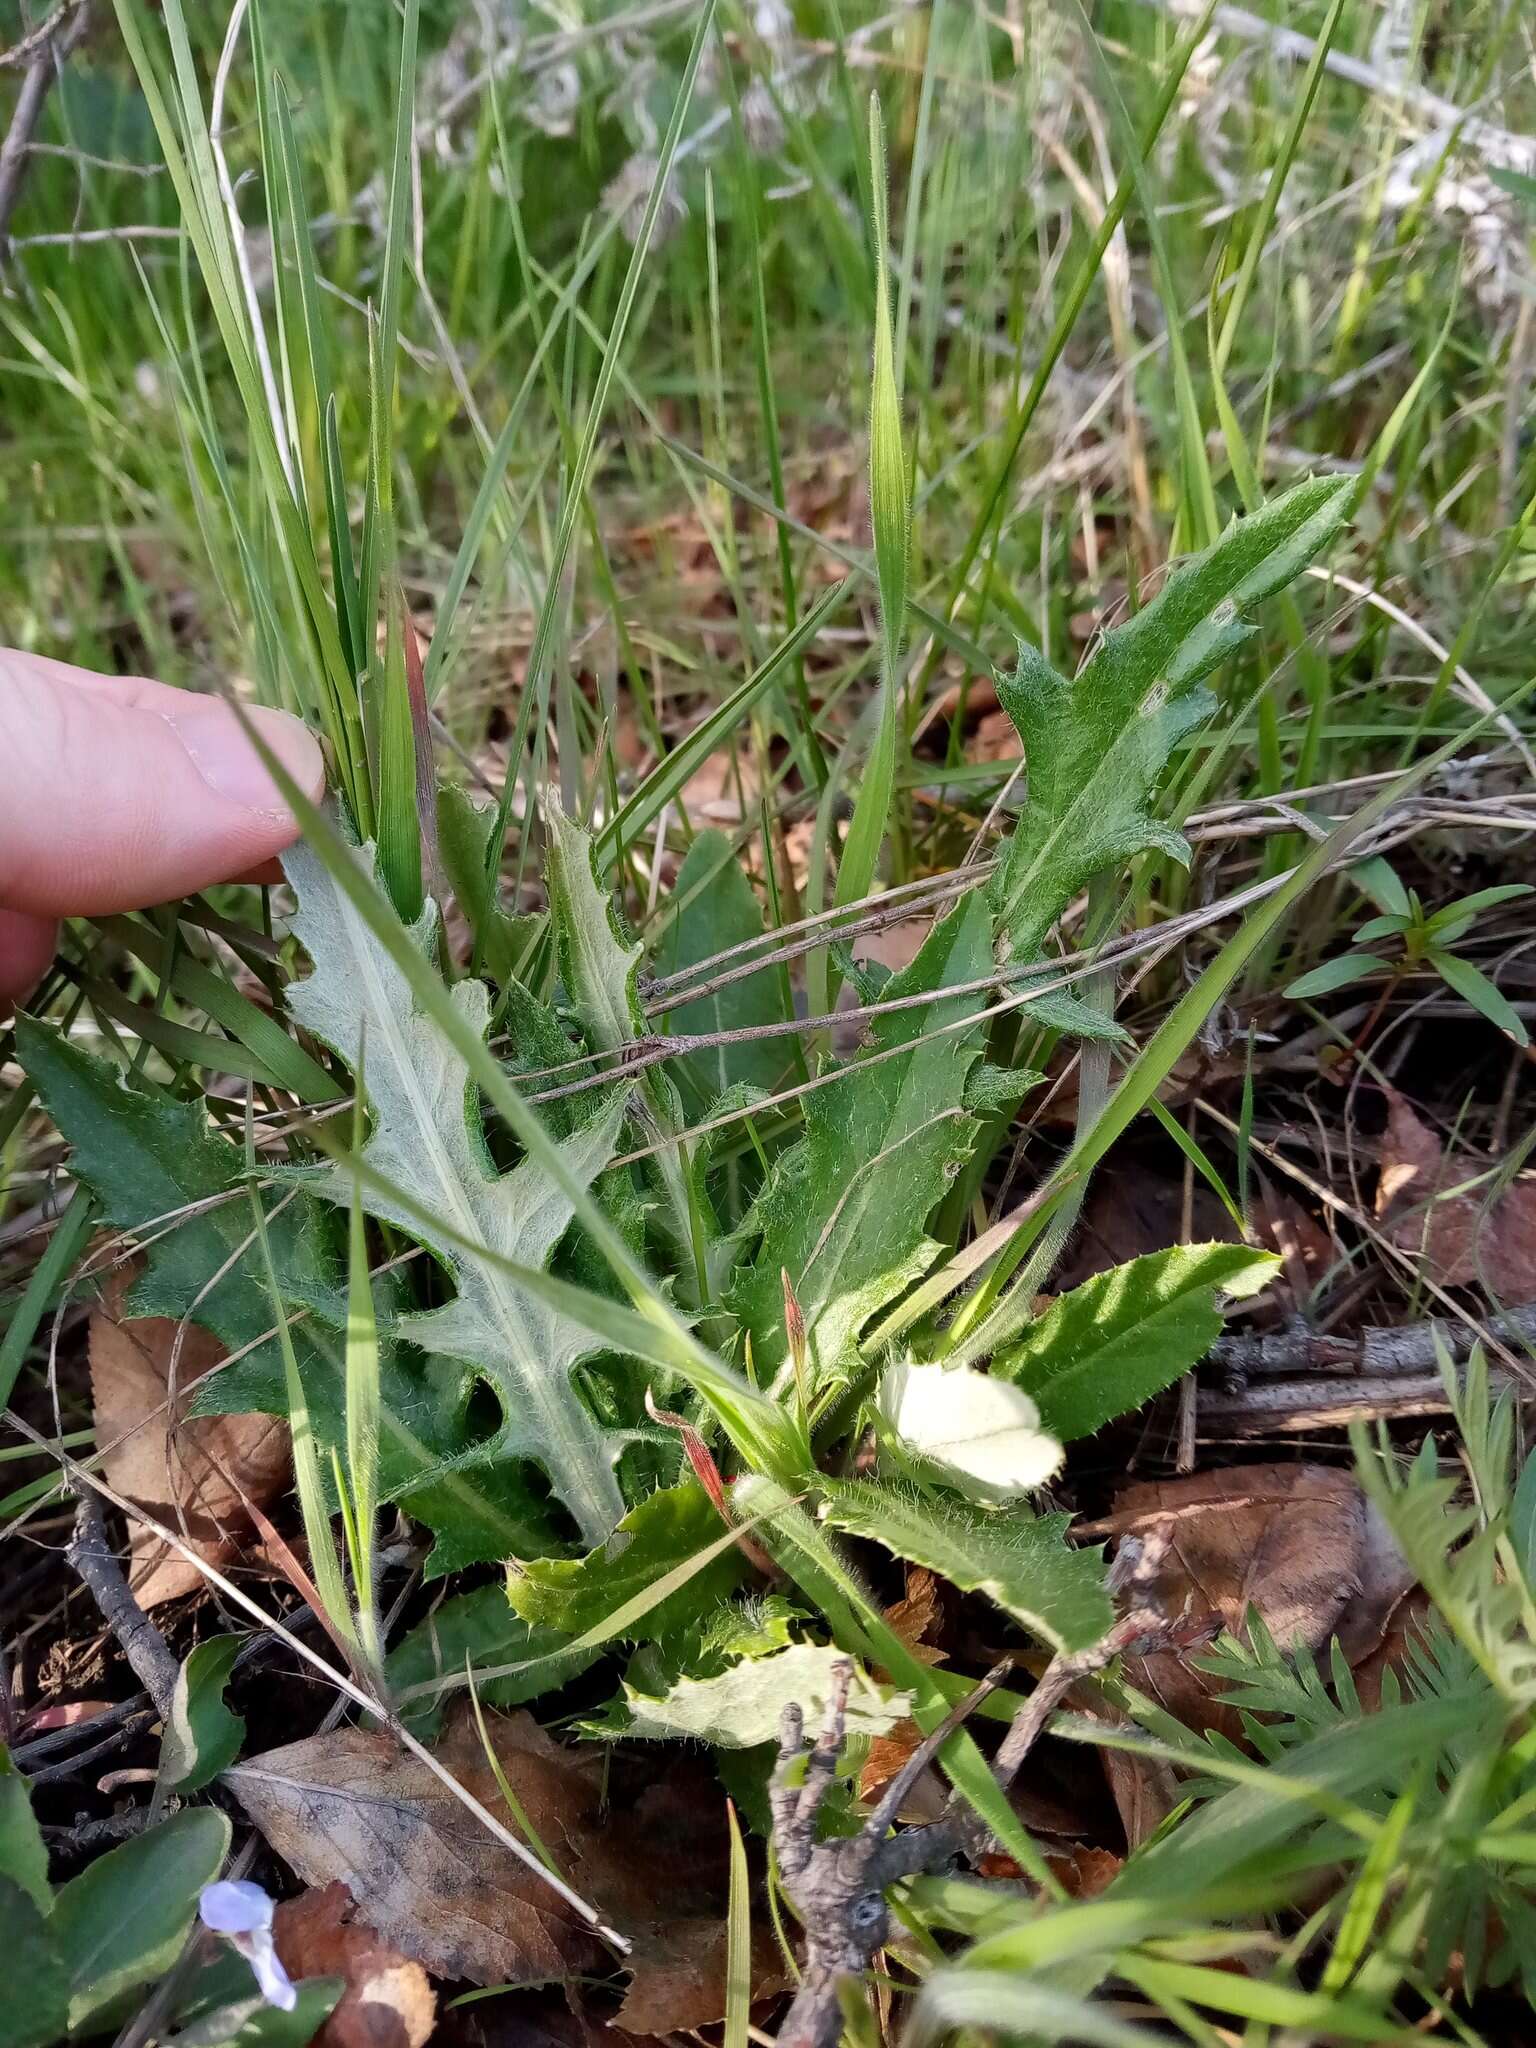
x=1097 y=746
x=844 y=1209
x=426 y=1158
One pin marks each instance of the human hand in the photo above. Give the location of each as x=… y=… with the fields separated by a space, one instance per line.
x=117 y=792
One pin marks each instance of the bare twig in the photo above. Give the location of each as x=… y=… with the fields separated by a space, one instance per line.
x=838 y=1886
x=1299 y=1406
x=42 y=53
x=1384 y=1353
x=141 y=1642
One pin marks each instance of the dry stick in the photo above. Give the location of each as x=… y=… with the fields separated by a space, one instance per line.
x=356 y=1693
x=1384 y=1353
x=838 y=1886
x=1053 y=975
x=1155 y=943
x=1295 y=1406
x=1484 y=1332
x=44 y=52
x=90 y=1554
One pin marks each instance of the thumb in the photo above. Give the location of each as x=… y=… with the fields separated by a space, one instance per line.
x=116 y=793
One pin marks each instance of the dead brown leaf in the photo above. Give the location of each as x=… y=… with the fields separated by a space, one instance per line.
x=995 y=738
x=436 y=1885
x=887 y=1755
x=387 y=2003
x=677 y=1975
x=915 y=1618
x=1298 y=1543
x=193 y=1474
x=1463 y=1240
x=918 y=1616
x=1085 y=1872
x=1405 y=1627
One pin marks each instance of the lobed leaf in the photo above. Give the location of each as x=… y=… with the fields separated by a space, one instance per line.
x=1097 y=746
x=426 y=1158
x=667 y=1529
x=742 y=1705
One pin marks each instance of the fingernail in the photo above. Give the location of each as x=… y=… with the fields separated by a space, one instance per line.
x=224 y=755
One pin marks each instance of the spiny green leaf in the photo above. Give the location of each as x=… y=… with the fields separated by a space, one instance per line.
x=464 y=832
x=665 y=1530
x=160 y=1172
x=716 y=909
x=741 y=1706
x=202 y=1736
x=1107 y=1346
x=698 y=1650
x=147 y=1159
x=598 y=966
x=1097 y=746
x=1021 y=1561
x=844 y=1209
x=428 y=1145
x=482 y=1627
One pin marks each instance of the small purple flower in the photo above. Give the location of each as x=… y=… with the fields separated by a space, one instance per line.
x=242 y=1913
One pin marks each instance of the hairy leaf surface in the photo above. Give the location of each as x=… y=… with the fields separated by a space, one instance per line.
x=844 y=1209
x=1021 y=1561
x=1124 y=1335
x=1097 y=746
x=162 y=1174
x=512 y=1661
x=667 y=1529
x=598 y=965
x=428 y=1161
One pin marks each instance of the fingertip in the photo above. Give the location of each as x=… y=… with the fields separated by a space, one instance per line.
x=219 y=741
x=27 y=947
x=114 y=798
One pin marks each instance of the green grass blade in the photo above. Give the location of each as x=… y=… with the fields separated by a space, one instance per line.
x=890 y=515
x=544 y=629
